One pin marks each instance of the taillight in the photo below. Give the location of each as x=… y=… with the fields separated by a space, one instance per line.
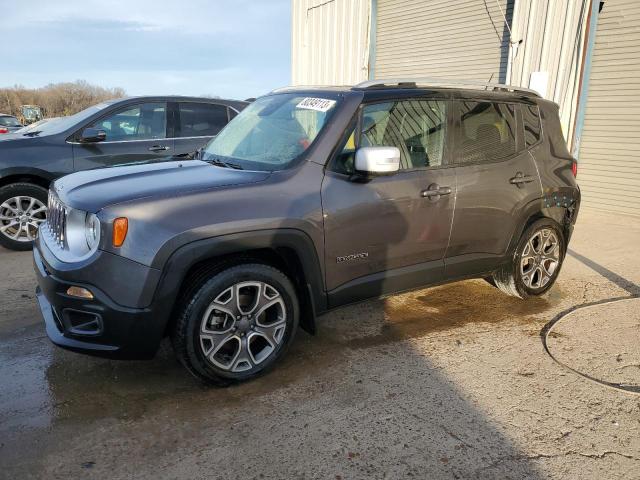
x=4 y=130
x=574 y=168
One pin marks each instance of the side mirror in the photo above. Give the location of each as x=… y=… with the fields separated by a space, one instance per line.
x=377 y=160
x=93 y=135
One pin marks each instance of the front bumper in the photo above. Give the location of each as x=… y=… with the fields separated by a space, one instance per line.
x=98 y=326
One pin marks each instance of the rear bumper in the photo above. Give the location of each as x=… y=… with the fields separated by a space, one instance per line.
x=99 y=326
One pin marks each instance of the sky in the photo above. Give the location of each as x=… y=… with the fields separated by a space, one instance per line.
x=227 y=48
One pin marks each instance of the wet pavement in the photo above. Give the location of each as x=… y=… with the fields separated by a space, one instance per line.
x=447 y=382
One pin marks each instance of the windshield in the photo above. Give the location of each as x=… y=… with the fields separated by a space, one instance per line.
x=33 y=126
x=9 y=122
x=60 y=124
x=31 y=113
x=272 y=132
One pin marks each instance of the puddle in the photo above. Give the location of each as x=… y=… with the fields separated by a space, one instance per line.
x=62 y=389
x=419 y=313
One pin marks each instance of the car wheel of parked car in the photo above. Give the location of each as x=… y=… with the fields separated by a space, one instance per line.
x=237 y=324
x=536 y=262
x=23 y=207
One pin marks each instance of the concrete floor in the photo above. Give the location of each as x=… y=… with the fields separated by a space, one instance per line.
x=447 y=382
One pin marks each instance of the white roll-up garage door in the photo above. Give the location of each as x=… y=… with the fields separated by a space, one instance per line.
x=609 y=158
x=466 y=39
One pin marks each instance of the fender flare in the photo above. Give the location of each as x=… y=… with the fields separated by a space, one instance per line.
x=533 y=211
x=179 y=263
x=27 y=171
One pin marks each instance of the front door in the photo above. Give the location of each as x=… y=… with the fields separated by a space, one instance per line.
x=496 y=178
x=389 y=233
x=135 y=133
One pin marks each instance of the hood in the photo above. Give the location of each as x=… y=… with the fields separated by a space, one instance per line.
x=12 y=136
x=93 y=190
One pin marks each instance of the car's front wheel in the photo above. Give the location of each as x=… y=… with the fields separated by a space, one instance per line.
x=23 y=207
x=536 y=261
x=236 y=324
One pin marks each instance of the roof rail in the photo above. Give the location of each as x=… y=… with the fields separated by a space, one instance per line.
x=444 y=82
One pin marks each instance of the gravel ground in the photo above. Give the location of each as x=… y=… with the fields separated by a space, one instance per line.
x=446 y=382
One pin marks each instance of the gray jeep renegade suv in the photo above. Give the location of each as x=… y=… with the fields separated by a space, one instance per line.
x=308 y=200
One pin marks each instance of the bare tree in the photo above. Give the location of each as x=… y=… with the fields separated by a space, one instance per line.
x=56 y=99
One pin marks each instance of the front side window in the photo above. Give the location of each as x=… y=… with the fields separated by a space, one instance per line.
x=272 y=132
x=416 y=127
x=344 y=161
x=488 y=131
x=532 y=130
x=141 y=122
x=201 y=119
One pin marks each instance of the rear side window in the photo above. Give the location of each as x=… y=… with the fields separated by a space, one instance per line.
x=532 y=129
x=201 y=119
x=488 y=131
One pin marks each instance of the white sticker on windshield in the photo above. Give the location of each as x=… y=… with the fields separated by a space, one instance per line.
x=318 y=104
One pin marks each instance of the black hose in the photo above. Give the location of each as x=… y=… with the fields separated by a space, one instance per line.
x=544 y=333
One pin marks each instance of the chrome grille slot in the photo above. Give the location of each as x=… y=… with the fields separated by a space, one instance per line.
x=56 y=219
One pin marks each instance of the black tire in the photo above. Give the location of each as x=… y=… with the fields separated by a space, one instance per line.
x=11 y=191
x=510 y=279
x=188 y=345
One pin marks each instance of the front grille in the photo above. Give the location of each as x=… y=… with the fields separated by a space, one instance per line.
x=56 y=219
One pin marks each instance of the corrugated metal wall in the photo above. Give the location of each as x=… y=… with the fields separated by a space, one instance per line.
x=465 y=39
x=330 y=42
x=609 y=162
x=552 y=34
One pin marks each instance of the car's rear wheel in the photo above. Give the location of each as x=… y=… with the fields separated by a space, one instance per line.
x=536 y=262
x=237 y=324
x=23 y=207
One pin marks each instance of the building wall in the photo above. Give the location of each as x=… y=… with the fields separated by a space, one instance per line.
x=347 y=41
x=330 y=42
x=609 y=158
x=549 y=37
x=463 y=39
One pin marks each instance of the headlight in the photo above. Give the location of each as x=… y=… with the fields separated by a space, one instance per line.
x=83 y=232
x=92 y=230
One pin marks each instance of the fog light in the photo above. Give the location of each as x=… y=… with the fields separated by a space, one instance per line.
x=79 y=292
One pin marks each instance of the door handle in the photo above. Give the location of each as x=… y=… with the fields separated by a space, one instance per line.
x=158 y=148
x=435 y=191
x=520 y=179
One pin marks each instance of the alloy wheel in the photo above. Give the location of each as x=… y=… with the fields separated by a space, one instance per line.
x=540 y=258
x=20 y=217
x=243 y=326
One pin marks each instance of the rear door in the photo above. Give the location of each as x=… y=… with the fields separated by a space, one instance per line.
x=135 y=133
x=197 y=123
x=387 y=233
x=496 y=178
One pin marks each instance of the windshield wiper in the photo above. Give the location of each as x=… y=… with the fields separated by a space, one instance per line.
x=219 y=163
x=32 y=134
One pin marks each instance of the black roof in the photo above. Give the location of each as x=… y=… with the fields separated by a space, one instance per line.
x=178 y=98
x=382 y=92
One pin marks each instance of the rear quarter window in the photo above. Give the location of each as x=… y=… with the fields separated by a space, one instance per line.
x=532 y=127
x=201 y=119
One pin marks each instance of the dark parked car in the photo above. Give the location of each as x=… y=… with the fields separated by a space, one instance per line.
x=9 y=124
x=138 y=129
x=310 y=199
